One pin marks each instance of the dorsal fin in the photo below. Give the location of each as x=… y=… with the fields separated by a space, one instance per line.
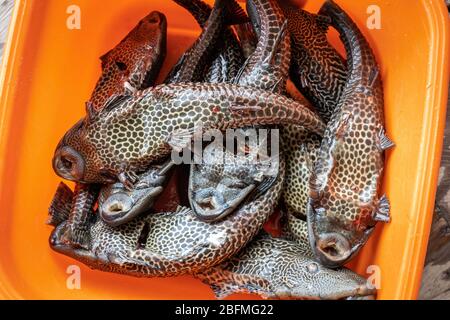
x=235 y=14
x=61 y=205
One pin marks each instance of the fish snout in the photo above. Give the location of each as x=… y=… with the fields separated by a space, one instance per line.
x=115 y=207
x=156 y=18
x=69 y=164
x=333 y=249
x=155 y=21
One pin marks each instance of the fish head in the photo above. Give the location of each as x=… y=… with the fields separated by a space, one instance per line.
x=217 y=190
x=338 y=228
x=76 y=159
x=308 y=279
x=118 y=205
x=135 y=62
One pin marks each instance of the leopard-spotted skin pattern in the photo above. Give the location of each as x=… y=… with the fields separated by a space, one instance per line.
x=320 y=73
x=136 y=60
x=133 y=132
x=227 y=57
x=317 y=69
x=268 y=66
x=223 y=181
x=170 y=244
x=347 y=174
x=295 y=229
x=281 y=269
x=197 y=59
x=139 y=199
x=301 y=149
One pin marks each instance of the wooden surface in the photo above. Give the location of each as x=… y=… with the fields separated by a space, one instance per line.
x=436 y=276
x=5 y=14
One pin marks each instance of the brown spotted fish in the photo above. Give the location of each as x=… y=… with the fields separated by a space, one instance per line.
x=317 y=69
x=134 y=63
x=216 y=56
x=344 y=205
x=130 y=66
x=195 y=62
x=320 y=73
x=132 y=132
x=119 y=204
x=266 y=68
x=281 y=269
x=168 y=244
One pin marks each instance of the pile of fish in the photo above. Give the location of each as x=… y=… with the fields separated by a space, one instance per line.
x=136 y=211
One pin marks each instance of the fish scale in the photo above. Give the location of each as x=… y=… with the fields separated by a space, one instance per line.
x=320 y=73
x=177 y=243
x=279 y=268
x=154 y=117
x=131 y=65
x=266 y=68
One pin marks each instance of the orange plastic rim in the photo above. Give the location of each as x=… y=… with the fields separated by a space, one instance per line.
x=49 y=71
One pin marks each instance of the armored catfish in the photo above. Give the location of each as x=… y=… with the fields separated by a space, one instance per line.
x=344 y=205
x=132 y=132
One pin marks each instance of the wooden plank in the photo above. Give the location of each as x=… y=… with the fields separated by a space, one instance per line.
x=436 y=275
x=6 y=7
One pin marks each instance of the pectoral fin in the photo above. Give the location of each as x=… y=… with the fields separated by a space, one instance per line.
x=384 y=141
x=61 y=205
x=382 y=212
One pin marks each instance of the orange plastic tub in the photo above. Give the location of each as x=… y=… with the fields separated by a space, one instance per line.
x=49 y=72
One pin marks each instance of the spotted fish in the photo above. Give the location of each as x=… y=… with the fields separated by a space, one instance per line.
x=76 y=232
x=281 y=269
x=317 y=69
x=196 y=61
x=227 y=56
x=119 y=204
x=130 y=66
x=224 y=180
x=344 y=205
x=134 y=63
x=320 y=73
x=169 y=244
x=133 y=132
x=266 y=68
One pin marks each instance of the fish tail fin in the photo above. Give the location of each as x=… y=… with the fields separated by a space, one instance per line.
x=61 y=205
x=234 y=13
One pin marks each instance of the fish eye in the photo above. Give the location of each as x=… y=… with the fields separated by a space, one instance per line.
x=122 y=66
x=66 y=163
x=312 y=268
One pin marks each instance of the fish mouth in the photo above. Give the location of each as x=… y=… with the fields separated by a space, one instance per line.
x=120 y=207
x=332 y=249
x=212 y=207
x=69 y=164
x=359 y=292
